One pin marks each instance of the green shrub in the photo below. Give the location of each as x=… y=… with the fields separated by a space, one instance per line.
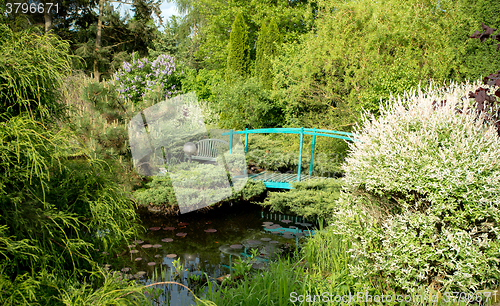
x=422 y=203
x=32 y=67
x=99 y=119
x=202 y=82
x=312 y=199
x=246 y=104
x=280 y=152
x=157 y=192
x=161 y=192
x=53 y=211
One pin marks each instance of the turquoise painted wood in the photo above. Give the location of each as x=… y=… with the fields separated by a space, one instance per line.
x=283 y=180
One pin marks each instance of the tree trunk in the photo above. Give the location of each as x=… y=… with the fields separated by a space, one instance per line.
x=48 y=21
x=97 y=74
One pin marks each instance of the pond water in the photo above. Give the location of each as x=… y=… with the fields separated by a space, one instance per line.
x=181 y=248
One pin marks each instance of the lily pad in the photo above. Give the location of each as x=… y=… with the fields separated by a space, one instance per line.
x=226 y=249
x=131 y=245
x=286 y=221
x=181 y=234
x=307 y=233
x=258 y=265
x=140 y=274
x=167 y=240
x=210 y=230
x=155 y=228
x=267 y=223
x=157 y=255
x=138 y=259
x=183 y=224
x=253 y=242
x=168 y=228
x=139 y=241
x=236 y=246
x=134 y=251
x=147 y=246
x=265 y=239
x=126 y=269
x=171 y=255
x=274 y=242
x=157 y=246
x=152 y=263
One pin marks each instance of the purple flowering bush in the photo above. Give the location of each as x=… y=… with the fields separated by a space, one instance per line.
x=143 y=79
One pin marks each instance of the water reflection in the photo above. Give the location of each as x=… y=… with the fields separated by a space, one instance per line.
x=209 y=244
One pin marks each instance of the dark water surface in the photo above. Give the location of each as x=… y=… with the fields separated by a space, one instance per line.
x=201 y=250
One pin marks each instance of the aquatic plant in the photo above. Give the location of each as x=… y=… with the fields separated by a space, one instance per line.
x=240 y=267
x=271 y=286
x=178 y=267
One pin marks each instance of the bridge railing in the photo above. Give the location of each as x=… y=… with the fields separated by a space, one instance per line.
x=301 y=131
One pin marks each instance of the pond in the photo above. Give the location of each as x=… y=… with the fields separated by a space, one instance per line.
x=182 y=248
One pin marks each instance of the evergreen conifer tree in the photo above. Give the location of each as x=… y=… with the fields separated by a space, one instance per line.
x=266 y=49
x=259 y=61
x=238 y=60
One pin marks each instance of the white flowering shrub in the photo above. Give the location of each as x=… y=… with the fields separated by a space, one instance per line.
x=424 y=193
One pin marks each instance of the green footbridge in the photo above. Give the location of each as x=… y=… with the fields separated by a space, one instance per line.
x=284 y=180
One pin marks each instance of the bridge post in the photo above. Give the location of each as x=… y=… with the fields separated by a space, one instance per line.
x=300 y=152
x=231 y=141
x=246 y=140
x=312 y=153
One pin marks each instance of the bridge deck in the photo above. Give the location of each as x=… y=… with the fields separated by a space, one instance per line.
x=281 y=180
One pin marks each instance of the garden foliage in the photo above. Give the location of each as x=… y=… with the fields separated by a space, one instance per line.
x=31 y=68
x=238 y=59
x=422 y=203
x=55 y=211
x=269 y=38
x=144 y=78
x=160 y=192
x=486 y=103
x=359 y=53
x=246 y=104
x=280 y=152
x=313 y=200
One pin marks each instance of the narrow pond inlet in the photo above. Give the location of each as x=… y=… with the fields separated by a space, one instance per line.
x=183 y=248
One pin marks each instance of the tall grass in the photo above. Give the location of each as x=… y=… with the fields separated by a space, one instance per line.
x=271 y=286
